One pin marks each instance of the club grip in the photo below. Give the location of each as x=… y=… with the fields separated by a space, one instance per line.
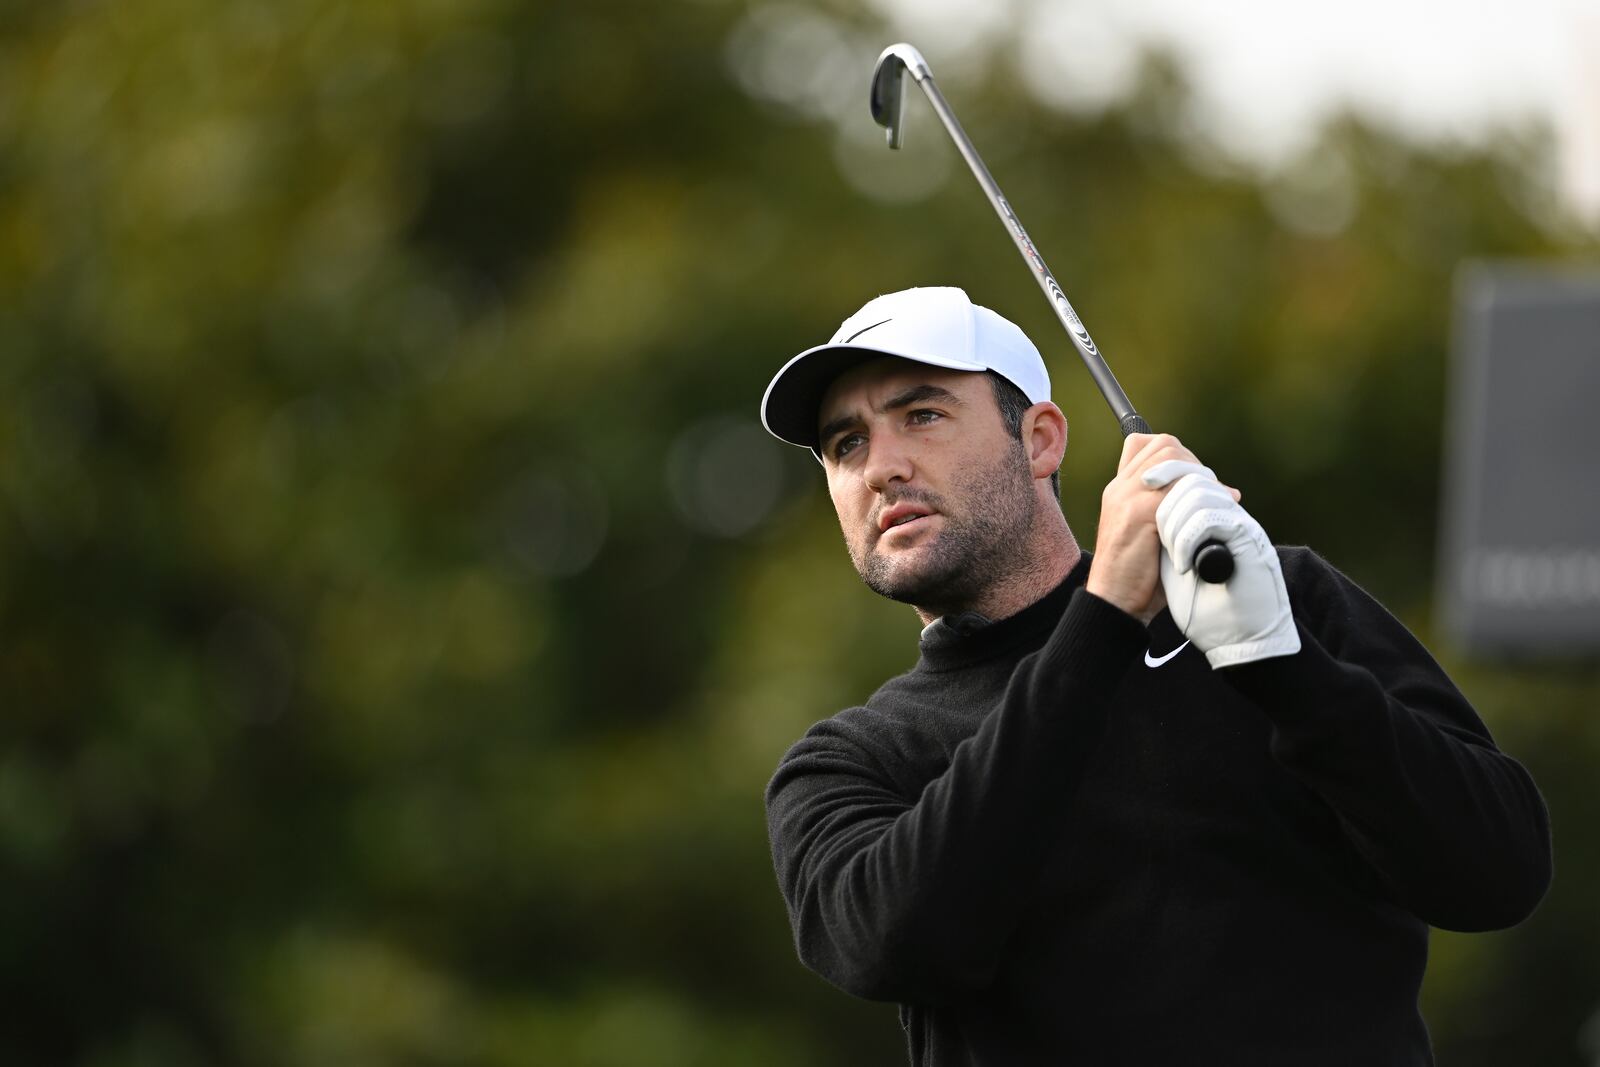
x=1212 y=560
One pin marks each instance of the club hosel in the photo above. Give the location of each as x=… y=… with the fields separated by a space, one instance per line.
x=911 y=58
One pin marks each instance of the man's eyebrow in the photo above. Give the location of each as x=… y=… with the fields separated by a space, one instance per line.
x=917 y=394
x=837 y=426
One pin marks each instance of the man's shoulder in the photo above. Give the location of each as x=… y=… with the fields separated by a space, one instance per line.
x=1335 y=607
x=860 y=741
x=1300 y=560
x=1307 y=571
x=868 y=724
x=883 y=715
x=902 y=721
x=1307 y=568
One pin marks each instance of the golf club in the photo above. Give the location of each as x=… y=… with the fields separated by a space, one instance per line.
x=1211 y=560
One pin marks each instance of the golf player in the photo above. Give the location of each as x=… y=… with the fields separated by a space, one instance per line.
x=1116 y=814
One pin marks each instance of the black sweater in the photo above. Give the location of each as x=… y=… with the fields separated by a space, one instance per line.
x=1049 y=852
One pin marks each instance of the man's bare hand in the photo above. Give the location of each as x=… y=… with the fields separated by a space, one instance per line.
x=1126 y=571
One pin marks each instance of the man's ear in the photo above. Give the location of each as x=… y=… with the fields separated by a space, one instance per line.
x=1044 y=437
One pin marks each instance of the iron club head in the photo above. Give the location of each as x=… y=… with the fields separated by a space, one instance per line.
x=886 y=99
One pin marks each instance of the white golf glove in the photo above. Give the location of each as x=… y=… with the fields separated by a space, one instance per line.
x=1244 y=619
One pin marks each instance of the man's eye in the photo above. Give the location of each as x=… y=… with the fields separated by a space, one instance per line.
x=846 y=445
x=923 y=416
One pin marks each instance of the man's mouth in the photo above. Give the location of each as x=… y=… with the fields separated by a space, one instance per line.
x=901 y=515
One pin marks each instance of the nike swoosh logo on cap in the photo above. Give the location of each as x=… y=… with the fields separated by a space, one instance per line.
x=1149 y=661
x=858 y=333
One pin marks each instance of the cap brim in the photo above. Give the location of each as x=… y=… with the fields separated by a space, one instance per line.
x=789 y=408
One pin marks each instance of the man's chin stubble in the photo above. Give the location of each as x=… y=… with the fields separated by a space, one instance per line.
x=942 y=585
x=968 y=555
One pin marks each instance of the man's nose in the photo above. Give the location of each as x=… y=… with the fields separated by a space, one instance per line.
x=888 y=461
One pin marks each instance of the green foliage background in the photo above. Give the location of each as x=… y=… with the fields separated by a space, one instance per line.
x=403 y=609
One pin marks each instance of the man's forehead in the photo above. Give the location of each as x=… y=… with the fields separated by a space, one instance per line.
x=871 y=384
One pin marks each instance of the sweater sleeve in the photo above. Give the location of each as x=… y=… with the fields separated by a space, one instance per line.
x=896 y=897
x=1364 y=717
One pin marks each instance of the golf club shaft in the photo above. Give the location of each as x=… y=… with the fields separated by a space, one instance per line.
x=1212 y=560
x=1127 y=418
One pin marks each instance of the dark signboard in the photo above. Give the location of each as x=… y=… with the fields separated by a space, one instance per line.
x=1520 y=524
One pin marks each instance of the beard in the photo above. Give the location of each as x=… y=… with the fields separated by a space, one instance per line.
x=982 y=541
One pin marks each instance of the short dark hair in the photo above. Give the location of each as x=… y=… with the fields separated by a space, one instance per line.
x=1012 y=402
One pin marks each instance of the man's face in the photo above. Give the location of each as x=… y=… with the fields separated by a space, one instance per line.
x=936 y=500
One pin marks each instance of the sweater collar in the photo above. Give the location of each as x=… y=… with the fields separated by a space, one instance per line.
x=965 y=638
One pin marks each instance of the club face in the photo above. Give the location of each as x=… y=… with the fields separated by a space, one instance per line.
x=886 y=99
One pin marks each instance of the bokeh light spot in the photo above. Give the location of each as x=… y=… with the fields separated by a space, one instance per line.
x=553 y=524
x=725 y=475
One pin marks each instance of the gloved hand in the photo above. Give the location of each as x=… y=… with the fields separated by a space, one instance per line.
x=1244 y=619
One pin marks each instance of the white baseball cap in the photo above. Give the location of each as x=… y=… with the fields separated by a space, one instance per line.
x=937 y=325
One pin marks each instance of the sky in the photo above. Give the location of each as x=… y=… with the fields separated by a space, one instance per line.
x=1266 y=72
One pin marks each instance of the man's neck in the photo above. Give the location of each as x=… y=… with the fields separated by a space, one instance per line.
x=1027 y=584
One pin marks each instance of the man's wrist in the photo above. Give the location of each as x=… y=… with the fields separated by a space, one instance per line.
x=1122 y=604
